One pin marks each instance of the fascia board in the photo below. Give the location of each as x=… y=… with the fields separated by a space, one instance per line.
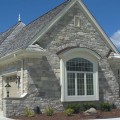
x=21 y=54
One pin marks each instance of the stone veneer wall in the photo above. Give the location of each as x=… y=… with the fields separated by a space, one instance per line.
x=5 y=69
x=64 y=35
x=16 y=106
x=108 y=84
x=43 y=89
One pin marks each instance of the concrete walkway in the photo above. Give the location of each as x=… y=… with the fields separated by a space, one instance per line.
x=2 y=117
x=109 y=119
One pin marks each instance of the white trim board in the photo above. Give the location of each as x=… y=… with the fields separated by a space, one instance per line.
x=78 y=53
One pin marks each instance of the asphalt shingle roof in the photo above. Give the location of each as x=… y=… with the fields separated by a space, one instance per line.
x=5 y=34
x=9 y=35
x=22 y=39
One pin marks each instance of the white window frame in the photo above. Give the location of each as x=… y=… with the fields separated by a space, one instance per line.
x=75 y=72
x=79 y=53
x=78 y=20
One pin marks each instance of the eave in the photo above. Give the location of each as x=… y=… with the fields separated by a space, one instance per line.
x=21 y=54
x=114 y=58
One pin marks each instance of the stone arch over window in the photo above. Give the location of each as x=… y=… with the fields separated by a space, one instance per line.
x=79 y=75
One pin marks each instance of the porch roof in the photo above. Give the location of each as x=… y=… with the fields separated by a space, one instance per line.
x=33 y=51
x=114 y=57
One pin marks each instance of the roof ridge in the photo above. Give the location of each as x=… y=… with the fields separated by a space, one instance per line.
x=16 y=25
x=11 y=29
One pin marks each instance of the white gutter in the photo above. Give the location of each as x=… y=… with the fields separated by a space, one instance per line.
x=114 y=57
x=22 y=54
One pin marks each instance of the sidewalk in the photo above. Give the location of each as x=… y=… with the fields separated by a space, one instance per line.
x=4 y=118
x=109 y=119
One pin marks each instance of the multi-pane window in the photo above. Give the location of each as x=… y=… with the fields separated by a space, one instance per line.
x=79 y=77
x=71 y=83
x=13 y=77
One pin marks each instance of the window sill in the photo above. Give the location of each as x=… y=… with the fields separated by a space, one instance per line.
x=81 y=98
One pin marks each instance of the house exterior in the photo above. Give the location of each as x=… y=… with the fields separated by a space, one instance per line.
x=63 y=56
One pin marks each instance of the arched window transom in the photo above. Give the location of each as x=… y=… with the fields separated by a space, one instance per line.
x=79 y=64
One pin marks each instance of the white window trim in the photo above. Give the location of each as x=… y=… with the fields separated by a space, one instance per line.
x=9 y=74
x=76 y=82
x=81 y=53
x=79 y=21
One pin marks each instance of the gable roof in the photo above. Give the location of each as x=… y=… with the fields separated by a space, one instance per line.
x=88 y=15
x=33 y=31
x=24 y=37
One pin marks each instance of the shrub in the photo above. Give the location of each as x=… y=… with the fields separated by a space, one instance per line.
x=69 y=111
x=87 y=106
x=105 y=106
x=49 y=111
x=76 y=107
x=28 y=112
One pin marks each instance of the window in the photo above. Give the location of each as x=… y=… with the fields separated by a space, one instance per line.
x=79 y=75
x=11 y=79
x=77 y=21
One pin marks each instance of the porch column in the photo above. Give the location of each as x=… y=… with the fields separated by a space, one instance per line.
x=21 y=78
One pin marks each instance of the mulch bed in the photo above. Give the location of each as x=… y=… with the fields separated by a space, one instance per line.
x=61 y=116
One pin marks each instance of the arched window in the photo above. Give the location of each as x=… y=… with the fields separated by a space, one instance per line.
x=79 y=77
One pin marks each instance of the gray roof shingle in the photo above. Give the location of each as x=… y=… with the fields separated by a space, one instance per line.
x=24 y=37
x=9 y=35
x=5 y=34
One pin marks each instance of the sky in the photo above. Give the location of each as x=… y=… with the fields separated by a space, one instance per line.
x=106 y=12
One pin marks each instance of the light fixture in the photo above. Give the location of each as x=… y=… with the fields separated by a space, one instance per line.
x=7 y=86
x=18 y=80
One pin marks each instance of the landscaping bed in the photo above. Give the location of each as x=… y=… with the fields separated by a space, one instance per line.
x=62 y=116
x=73 y=111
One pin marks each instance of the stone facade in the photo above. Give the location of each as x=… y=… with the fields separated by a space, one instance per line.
x=42 y=86
x=86 y=36
x=42 y=75
x=16 y=106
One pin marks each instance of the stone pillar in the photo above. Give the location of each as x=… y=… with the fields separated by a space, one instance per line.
x=4 y=108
